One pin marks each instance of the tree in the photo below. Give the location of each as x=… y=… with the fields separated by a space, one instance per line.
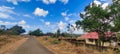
x=95 y=18
x=2 y=29
x=36 y=32
x=58 y=33
x=71 y=28
x=49 y=34
x=16 y=30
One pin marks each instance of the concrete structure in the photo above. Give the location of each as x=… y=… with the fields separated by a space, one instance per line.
x=92 y=37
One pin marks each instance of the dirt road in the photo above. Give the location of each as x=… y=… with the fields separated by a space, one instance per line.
x=32 y=46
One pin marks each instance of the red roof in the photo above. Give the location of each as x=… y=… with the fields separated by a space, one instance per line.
x=94 y=35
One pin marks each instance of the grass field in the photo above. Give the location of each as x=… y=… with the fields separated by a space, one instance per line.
x=8 y=39
x=10 y=43
x=63 y=47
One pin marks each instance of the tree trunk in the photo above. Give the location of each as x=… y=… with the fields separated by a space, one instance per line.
x=102 y=45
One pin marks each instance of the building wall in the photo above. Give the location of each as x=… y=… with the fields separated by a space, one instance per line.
x=88 y=41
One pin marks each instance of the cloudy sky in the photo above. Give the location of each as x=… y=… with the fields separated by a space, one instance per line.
x=48 y=15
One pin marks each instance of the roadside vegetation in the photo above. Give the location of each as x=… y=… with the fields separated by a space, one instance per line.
x=4 y=39
x=10 y=38
x=64 y=47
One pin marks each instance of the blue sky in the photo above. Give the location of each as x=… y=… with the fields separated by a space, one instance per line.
x=48 y=15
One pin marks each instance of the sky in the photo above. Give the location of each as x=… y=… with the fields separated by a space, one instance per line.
x=47 y=15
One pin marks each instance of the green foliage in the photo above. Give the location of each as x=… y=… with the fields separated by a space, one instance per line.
x=118 y=37
x=2 y=29
x=56 y=42
x=97 y=19
x=57 y=33
x=117 y=51
x=70 y=28
x=15 y=30
x=36 y=32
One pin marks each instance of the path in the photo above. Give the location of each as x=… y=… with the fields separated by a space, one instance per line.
x=32 y=46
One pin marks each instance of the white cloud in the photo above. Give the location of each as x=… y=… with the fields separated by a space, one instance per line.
x=105 y=5
x=64 y=1
x=40 y=12
x=79 y=31
x=97 y=2
x=7 y=23
x=61 y=25
x=5 y=16
x=6 y=12
x=103 y=0
x=15 y=2
x=53 y=1
x=83 y=12
x=22 y=22
x=72 y=21
x=67 y=18
x=47 y=23
x=49 y=1
x=107 y=1
x=25 y=26
x=64 y=14
x=28 y=16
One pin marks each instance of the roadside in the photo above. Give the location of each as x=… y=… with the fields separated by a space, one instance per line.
x=64 y=47
x=10 y=43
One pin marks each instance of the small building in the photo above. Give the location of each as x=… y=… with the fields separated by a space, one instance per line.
x=91 y=37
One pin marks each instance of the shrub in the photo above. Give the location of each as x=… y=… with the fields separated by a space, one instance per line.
x=56 y=42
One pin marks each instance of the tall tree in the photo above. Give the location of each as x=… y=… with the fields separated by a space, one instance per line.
x=36 y=32
x=58 y=33
x=2 y=29
x=71 y=28
x=16 y=30
x=98 y=19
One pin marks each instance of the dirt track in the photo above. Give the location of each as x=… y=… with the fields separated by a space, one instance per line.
x=32 y=46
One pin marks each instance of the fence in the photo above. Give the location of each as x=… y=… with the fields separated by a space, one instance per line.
x=82 y=42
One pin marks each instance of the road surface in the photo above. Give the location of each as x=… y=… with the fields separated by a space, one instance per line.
x=32 y=46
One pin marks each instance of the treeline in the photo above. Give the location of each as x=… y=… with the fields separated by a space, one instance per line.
x=36 y=32
x=63 y=34
x=56 y=34
x=15 y=30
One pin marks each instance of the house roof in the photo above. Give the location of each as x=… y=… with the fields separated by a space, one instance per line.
x=94 y=35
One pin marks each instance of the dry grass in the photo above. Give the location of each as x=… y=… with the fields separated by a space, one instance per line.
x=10 y=43
x=68 y=48
x=4 y=39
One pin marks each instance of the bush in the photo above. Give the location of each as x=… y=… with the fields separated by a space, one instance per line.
x=117 y=51
x=46 y=38
x=56 y=42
